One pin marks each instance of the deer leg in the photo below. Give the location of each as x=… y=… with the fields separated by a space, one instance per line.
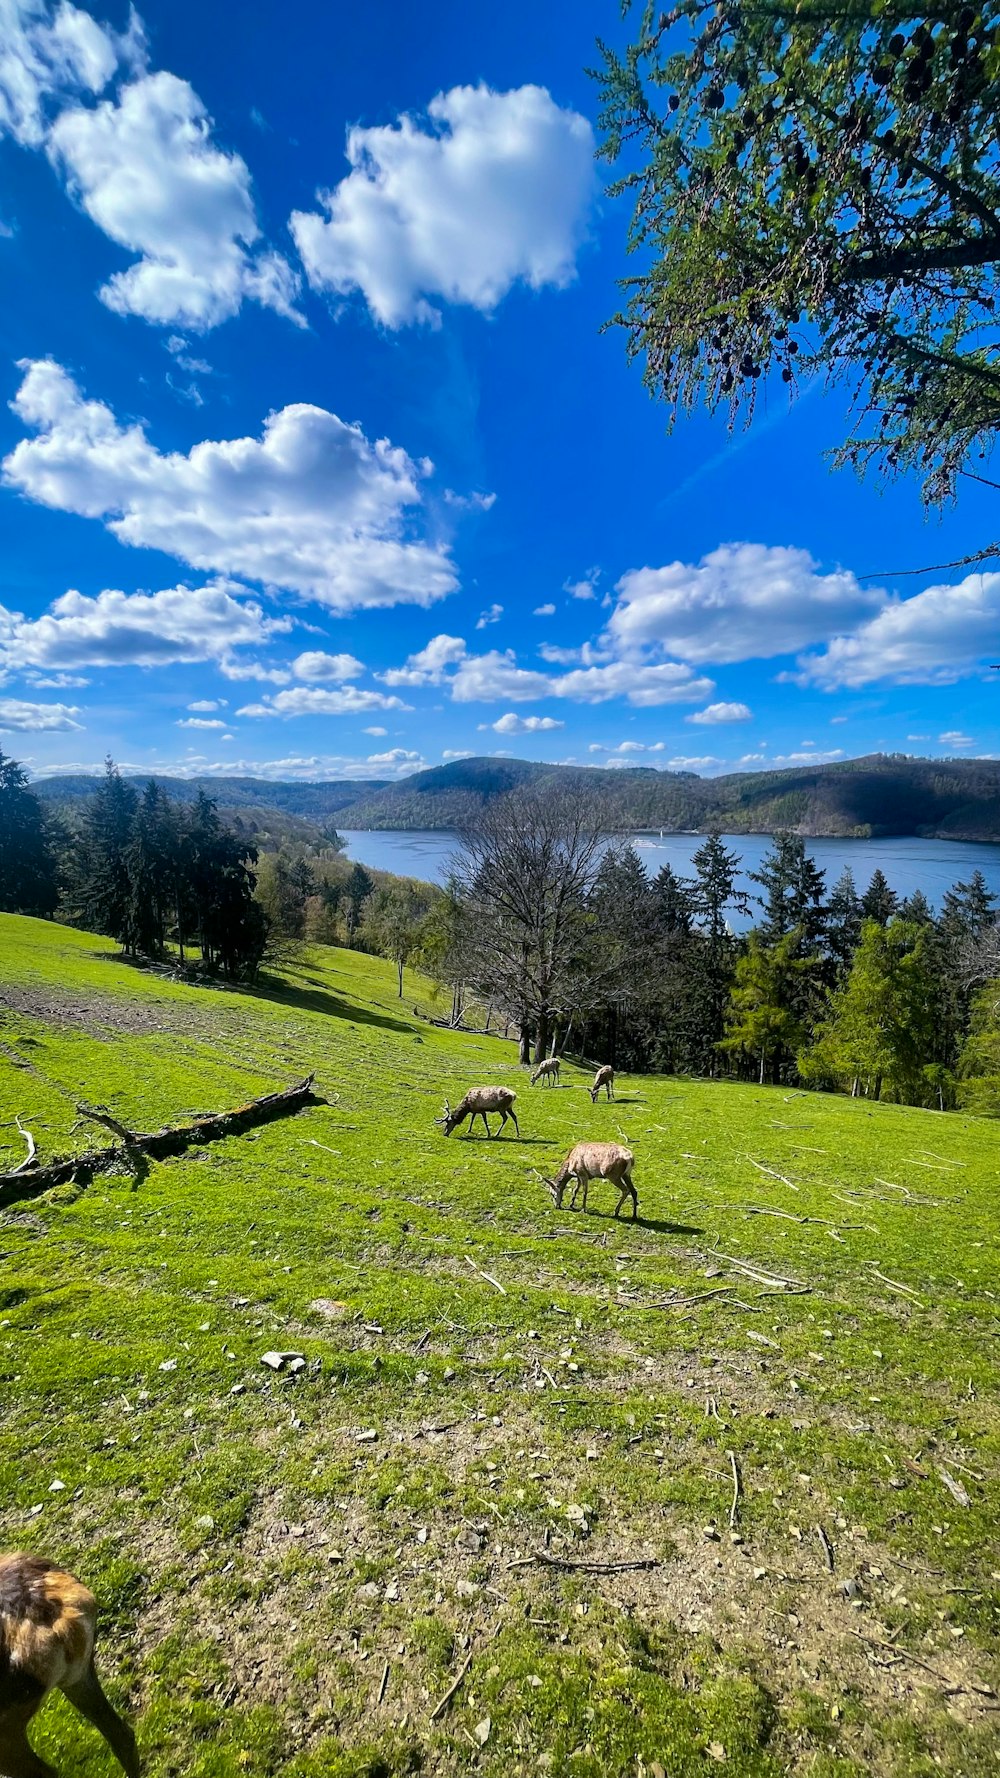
x=513 y=1117
x=503 y=1120
x=16 y=1757
x=585 y=1182
x=88 y=1697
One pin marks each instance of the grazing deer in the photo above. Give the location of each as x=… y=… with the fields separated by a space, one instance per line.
x=47 y=1627
x=547 y=1070
x=605 y=1077
x=596 y=1160
x=477 y=1102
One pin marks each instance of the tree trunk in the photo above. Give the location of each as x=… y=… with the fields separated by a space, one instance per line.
x=542 y=1036
x=524 y=1046
x=761 y=1076
x=878 y=1087
x=399 y=966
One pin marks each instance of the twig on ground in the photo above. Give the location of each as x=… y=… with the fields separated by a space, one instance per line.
x=772 y=1174
x=955 y=1489
x=382 y=1687
x=876 y=1642
x=490 y=1280
x=423 y=1341
x=29 y=1157
x=550 y=1561
x=683 y=1302
x=734 y=1510
x=788 y=1216
x=826 y=1546
x=443 y=1703
x=894 y=1284
x=325 y=1146
x=761 y=1275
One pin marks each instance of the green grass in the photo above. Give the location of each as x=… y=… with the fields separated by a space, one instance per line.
x=259 y=1564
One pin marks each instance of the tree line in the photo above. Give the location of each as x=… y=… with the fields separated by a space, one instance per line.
x=171 y=880
x=846 y=988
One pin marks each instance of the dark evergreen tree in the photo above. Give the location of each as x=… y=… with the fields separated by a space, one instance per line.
x=879 y=902
x=29 y=876
x=843 y=923
x=713 y=959
x=151 y=862
x=359 y=887
x=104 y=890
x=916 y=909
x=968 y=910
x=793 y=888
x=621 y=960
x=230 y=924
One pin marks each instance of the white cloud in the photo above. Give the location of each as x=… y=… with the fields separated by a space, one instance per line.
x=375 y=730
x=302 y=700
x=909 y=737
x=699 y=763
x=317 y=665
x=135 y=629
x=255 y=670
x=512 y=724
x=954 y=737
x=491 y=615
x=481 y=678
x=457 y=753
x=199 y=722
x=205 y=706
x=811 y=758
x=469 y=502
x=396 y=756
x=57 y=681
x=544 y=611
x=492 y=189
x=721 y=713
x=312 y=505
x=146 y=171
x=15 y=714
x=427 y=667
x=668 y=683
x=743 y=601
x=585 y=587
x=48 y=55
x=938 y=636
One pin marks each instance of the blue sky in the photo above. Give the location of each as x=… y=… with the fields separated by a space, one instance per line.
x=316 y=461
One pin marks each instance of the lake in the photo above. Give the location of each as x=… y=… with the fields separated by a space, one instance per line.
x=909 y=864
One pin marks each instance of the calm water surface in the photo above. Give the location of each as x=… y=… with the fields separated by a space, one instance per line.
x=909 y=864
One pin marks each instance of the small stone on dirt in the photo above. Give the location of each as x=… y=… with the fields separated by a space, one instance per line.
x=716 y=1750
x=329 y=1308
x=368 y=1437
x=482 y=1731
x=469 y=1538
x=710 y=1533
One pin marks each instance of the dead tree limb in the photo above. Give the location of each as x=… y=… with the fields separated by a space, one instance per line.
x=22 y=1166
x=27 y=1182
x=550 y=1561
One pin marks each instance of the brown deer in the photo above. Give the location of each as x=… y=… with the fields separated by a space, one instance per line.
x=477 y=1102
x=47 y=1627
x=547 y=1070
x=605 y=1077
x=596 y=1160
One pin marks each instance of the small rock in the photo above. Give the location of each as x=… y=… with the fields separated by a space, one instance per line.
x=466 y=1589
x=169 y=1364
x=469 y=1538
x=710 y=1533
x=329 y=1307
x=238 y=1389
x=57 y=1487
x=368 y=1437
x=851 y=1588
x=392 y=1592
x=482 y=1731
x=370 y=1590
x=449 y=1375
x=736 y=1537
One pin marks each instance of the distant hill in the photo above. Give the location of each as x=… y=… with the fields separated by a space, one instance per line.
x=878 y=796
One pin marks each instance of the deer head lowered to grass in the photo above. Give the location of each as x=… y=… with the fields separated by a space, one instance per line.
x=47 y=1627
x=547 y=1071
x=477 y=1102
x=596 y=1160
x=605 y=1077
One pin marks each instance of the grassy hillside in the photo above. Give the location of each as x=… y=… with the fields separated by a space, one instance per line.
x=884 y=794
x=294 y=1567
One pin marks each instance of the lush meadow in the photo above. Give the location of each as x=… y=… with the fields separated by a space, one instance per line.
x=295 y=1565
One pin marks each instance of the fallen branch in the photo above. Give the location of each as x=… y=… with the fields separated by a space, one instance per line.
x=30 y=1140
x=955 y=1488
x=442 y=1705
x=756 y=1272
x=27 y=1182
x=734 y=1510
x=826 y=1546
x=875 y=1642
x=894 y=1284
x=772 y=1174
x=550 y=1561
x=683 y=1302
x=490 y=1280
x=788 y=1216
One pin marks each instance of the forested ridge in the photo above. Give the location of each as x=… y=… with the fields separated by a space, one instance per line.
x=879 y=795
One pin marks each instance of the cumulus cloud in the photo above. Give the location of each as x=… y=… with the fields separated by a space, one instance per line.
x=16 y=714
x=396 y=756
x=199 y=722
x=376 y=730
x=743 y=601
x=544 y=611
x=713 y=713
x=145 y=169
x=585 y=587
x=302 y=700
x=205 y=706
x=811 y=758
x=953 y=737
x=307 y=767
x=512 y=724
x=48 y=56
x=483 y=678
x=427 y=666
x=312 y=505
x=491 y=189
x=118 y=629
x=938 y=636
x=457 y=753
x=491 y=615
x=317 y=665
